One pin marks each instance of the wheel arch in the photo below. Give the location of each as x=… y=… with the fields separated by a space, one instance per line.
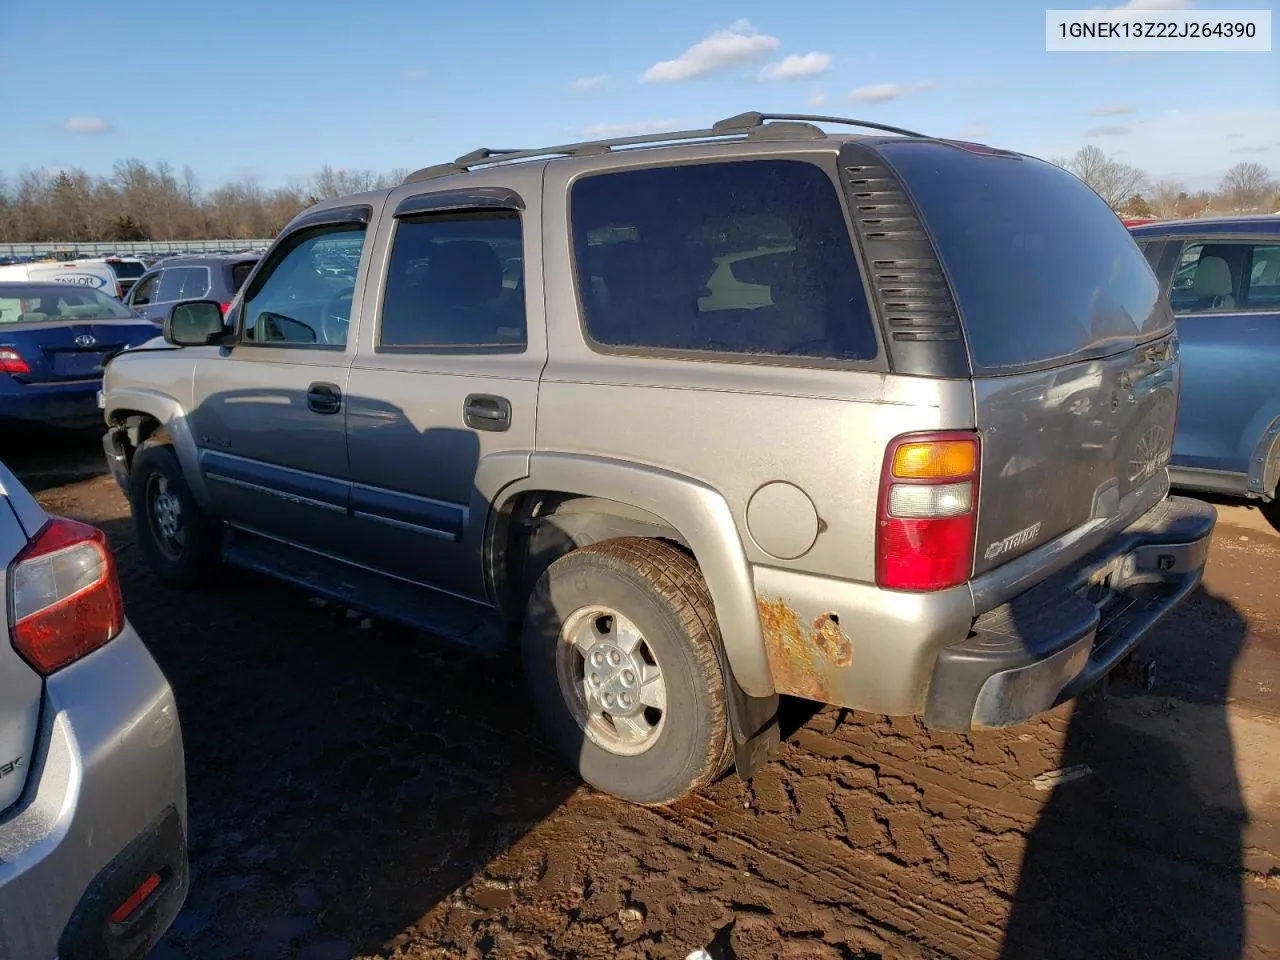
x=140 y=414
x=595 y=498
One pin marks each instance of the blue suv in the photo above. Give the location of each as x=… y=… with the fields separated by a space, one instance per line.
x=1223 y=280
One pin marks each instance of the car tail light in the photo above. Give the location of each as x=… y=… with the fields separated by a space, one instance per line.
x=225 y=307
x=11 y=361
x=119 y=290
x=65 y=595
x=928 y=506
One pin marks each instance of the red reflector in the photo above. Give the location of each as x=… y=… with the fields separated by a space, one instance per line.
x=925 y=554
x=136 y=899
x=11 y=361
x=65 y=595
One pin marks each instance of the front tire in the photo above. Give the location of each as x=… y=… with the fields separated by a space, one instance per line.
x=620 y=649
x=178 y=540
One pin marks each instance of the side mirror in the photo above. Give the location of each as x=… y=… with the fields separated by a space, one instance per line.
x=194 y=323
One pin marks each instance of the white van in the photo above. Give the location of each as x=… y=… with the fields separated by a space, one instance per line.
x=89 y=273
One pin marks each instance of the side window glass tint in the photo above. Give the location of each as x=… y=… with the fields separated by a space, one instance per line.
x=455 y=282
x=195 y=283
x=1263 y=291
x=1207 y=278
x=303 y=296
x=751 y=258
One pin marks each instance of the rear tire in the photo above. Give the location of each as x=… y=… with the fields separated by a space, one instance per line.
x=633 y=617
x=179 y=541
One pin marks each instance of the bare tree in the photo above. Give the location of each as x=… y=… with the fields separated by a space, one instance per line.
x=1112 y=180
x=1164 y=198
x=1247 y=187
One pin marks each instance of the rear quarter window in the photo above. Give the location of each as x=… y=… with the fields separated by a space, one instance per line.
x=751 y=257
x=239 y=274
x=1043 y=271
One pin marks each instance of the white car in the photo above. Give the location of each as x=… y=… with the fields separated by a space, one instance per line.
x=97 y=274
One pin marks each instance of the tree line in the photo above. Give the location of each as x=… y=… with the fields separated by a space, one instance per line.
x=142 y=202
x=1245 y=188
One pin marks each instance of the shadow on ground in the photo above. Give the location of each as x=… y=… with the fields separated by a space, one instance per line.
x=342 y=780
x=1142 y=855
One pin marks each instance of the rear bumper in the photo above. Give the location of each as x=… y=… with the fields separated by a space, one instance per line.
x=1060 y=637
x=73 y=404
x=104 y=809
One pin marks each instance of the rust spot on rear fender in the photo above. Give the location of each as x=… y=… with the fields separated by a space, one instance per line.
x=802 y=655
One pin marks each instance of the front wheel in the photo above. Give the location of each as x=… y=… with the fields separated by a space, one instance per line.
x=179 y=542
x=620 y=650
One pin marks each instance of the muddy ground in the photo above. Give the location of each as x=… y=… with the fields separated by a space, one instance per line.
x=356 y=791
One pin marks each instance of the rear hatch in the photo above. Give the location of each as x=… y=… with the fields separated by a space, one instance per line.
x=20 y=686
x=65 y=336
x=95 y=275
x=1072 y=346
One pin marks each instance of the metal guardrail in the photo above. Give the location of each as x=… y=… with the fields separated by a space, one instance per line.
x=127 y=247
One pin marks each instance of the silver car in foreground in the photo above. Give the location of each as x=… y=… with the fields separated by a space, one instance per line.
x=93 y=798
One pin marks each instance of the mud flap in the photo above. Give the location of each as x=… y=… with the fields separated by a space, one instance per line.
x=753 y=723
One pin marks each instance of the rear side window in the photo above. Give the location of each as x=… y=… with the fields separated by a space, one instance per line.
x=144 y=291
x=752 y=257
x=456 y=283
x=239 y=274
x=1227 y=276
x=1043 y=271
x=184 y=283
x=127 y=269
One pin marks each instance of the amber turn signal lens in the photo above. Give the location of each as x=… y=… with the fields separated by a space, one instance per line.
x=935 y=460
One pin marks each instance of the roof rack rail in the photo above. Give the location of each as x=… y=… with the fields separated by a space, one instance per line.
x=742 y=125
x=745 y=122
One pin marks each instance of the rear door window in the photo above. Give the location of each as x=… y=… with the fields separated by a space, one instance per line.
x=751 y=257
x=184 y=283
x=1043 y=271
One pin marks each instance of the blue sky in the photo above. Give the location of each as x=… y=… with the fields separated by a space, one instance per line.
x=273 y=90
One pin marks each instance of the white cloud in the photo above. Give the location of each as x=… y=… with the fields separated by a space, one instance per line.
x=1111 y=110
x=881 y=92
x=1155 y=5
x=414 y=74
x=796 y=65
x=86 y=125
x=606 y=130
x=1108 y=130
x=589 y=83
x=739 y=46
x=817 y=97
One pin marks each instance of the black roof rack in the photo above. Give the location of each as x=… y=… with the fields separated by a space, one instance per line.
x=743 y=125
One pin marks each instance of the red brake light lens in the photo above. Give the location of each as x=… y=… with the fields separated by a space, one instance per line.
x=11 y=361
x=928 y=508
x=65 y=595
x=225 y=307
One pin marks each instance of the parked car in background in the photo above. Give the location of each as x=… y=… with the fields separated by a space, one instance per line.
x=93 y=855
x=54 y=340
x=94 y=274
x=127 y=271
x=1223 y=280
x=756 y=469
x=206 y=277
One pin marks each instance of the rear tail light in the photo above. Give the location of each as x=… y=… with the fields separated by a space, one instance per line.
x=11 y=361
x=928 y=506
x=119 y=290
x=65 y=595
x=225 y=307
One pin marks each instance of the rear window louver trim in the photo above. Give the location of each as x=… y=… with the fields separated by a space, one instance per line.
x=907 y=280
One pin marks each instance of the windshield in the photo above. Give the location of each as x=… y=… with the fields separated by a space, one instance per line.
x=1042 y=270
x=29 y=303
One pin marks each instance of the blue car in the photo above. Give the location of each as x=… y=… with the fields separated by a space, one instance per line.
x=1223 y=280
x=54 y=340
